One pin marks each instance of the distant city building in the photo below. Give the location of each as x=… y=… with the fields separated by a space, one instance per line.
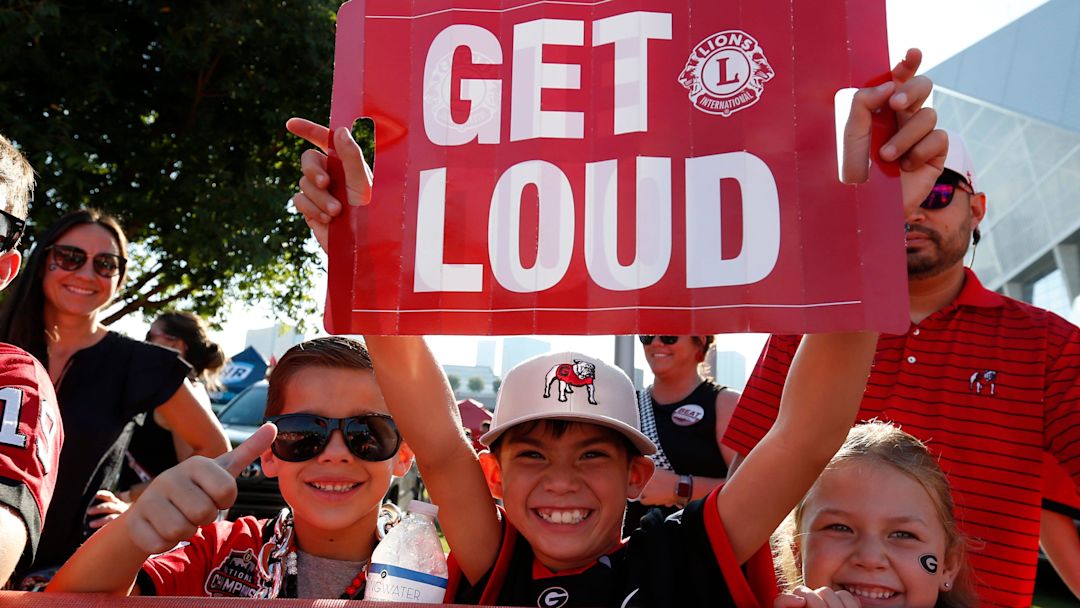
x=518 y=348
x=465 y=373
x=272 y=342
x=1013 y=97
x=639 y=378
x=485 y=353
x=728 y=368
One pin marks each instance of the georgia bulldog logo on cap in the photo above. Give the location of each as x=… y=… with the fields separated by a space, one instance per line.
x=571 y=375
x=726 y=72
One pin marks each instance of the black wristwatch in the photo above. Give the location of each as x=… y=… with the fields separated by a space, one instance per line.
x=684 y=489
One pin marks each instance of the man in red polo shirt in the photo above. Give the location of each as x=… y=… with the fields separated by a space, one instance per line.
x=990 y=383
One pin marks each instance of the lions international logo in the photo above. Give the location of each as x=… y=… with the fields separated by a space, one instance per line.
x=726 y=72
x=568 y=376
x=235 y=576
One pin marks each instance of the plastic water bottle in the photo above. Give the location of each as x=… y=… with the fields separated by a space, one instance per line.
x=409 y=565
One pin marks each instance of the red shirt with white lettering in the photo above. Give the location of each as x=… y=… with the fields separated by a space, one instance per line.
x=990 y=383
x=31 y=435
x=221 y=560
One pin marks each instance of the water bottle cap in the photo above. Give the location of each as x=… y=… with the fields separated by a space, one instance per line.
x=423 y=508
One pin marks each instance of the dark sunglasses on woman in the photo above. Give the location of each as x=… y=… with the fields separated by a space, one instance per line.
x=370 y=437
x=669 y=340
x=944 y=190
x=71 y=258
x=152 y=334
x=11 y=229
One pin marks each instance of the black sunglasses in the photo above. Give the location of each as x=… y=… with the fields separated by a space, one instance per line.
x=69 y=257
x=669 y=340
x=944 y=190
x=11 y=229
x=371 y=437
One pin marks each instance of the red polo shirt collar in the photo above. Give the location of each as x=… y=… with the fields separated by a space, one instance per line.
x=974 y=294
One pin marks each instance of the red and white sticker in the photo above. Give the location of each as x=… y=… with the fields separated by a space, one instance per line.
x=688 y=415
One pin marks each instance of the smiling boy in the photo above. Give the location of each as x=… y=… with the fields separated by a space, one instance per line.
x=564 y=470
x=335 y=452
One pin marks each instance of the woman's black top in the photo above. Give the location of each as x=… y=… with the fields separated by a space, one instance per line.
x=687 y=433
x=687 y=430
x=101 y=393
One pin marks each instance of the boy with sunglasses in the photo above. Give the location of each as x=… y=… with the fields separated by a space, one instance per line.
x=30 y=448
x=335 y=452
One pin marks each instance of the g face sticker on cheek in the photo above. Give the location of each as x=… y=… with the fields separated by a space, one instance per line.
x=929 y=562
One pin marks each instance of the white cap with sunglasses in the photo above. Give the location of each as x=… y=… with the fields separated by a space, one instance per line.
x=958 y=160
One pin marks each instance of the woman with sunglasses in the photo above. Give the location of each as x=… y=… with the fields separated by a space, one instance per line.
x=685 y=415
x=105 y=381
x=334 y=455
x=154 y=447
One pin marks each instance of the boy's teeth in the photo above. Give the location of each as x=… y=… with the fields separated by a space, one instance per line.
x=874 y=593
x=334 y=487
x=563 y=516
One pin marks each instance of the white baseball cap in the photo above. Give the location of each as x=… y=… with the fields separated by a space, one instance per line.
x=568 y=386
x=959 y=159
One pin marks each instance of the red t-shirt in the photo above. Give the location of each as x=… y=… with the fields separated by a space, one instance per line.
x=221 y=560
x=31 y=435
x=989 y=383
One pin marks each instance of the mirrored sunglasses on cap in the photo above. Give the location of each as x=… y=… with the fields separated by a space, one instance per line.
x=72 y=258
x=944 y=190
x=668 y=340
x=11 y=229
x=370 y=437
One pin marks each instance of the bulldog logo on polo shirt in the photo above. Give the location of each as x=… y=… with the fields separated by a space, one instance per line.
x=985 y=380
x=569 y=376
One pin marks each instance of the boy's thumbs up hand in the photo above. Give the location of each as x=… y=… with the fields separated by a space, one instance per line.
x=237 y=460
x=190 y=495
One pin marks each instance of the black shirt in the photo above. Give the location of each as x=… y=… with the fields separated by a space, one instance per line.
x=103 y=390
x=687 y=430
x=679 y=561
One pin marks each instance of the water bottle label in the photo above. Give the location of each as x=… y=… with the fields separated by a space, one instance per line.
x=391 y=583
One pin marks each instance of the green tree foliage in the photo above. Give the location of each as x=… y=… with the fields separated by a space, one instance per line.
x=476 y=384
x=495 y=384
x=170 y=115
x=455 y=382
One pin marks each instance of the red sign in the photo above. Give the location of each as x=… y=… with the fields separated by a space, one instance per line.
x=611 y=166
